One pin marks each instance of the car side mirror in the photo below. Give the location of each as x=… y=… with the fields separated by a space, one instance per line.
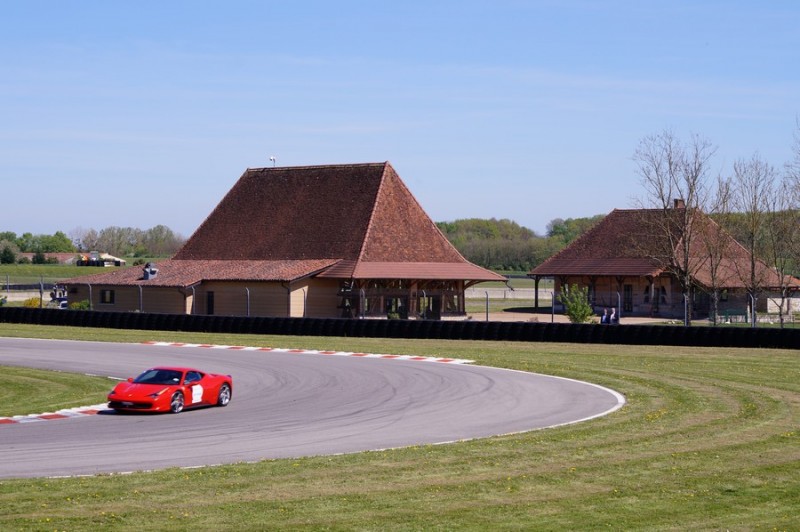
x=130 y=379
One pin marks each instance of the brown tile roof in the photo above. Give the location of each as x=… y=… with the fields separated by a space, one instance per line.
x=612 y=247
x=290 y=213
x=188 y=272
x=410 y=270
x=625 y=243
x=361 y=213
x=350 y=212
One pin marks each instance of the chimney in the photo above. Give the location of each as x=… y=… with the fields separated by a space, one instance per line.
x=679 y=203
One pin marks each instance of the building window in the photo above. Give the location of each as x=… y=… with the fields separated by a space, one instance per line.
x=210 y=303
x=723 y=295
x=107 y=297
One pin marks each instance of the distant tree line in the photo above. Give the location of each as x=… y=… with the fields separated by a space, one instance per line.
x=124 y=242
x=504 y=245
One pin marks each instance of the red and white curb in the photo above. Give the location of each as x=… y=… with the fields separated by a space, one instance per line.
x=79 y=411
x=315 y=352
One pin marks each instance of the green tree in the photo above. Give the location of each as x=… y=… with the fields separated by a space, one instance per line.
x=576 y=303
x=160 y=241
x=495 y=244
x=56 y=243
x=568 y=230
x=7 y=255
x=26 y=243
x=505 y=245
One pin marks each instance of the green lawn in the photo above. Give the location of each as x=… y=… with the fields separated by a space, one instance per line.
x=33 y=273
x=709 y=439
x=31 y=391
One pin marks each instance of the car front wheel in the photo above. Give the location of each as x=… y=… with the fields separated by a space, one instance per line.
x=224 y=396
x=176 y=403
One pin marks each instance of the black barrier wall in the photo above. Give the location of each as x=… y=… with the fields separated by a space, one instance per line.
x=445 y=330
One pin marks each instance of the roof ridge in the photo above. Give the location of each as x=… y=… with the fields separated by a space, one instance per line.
x=378 y=197
x=317 y=166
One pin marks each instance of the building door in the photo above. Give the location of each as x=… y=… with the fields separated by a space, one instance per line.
x=627 y=298
x=435 y=308
x=209 y=303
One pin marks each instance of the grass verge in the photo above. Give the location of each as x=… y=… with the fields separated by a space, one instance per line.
x=33 y=391
x=709 y=439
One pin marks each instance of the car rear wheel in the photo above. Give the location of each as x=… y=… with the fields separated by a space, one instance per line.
x=176 y=403
x=224 y=396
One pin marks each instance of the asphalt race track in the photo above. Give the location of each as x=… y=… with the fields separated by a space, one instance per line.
x=284 y=405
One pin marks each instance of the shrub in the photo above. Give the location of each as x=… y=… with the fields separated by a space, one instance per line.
x=80 y=305
x=32 y=302
x=576 y=303
x=7 y=255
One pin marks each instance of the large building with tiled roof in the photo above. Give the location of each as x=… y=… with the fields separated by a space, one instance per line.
x=313 y=241
x=627 y=261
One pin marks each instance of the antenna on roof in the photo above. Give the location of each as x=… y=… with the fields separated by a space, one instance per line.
x=273 y=159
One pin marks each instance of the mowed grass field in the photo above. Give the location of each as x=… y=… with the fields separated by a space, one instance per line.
x=709 y=440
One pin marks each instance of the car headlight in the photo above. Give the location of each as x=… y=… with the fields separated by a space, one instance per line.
x=155 y=395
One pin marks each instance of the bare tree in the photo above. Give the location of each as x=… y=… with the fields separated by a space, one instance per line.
x=781 y=242
x=716 y=243
x=84 y=239
x=790 y=223
x=793 y=166
x=675 y=177
x=753 y=194
x=161 y=241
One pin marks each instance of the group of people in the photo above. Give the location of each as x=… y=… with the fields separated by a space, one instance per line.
x=609 y=318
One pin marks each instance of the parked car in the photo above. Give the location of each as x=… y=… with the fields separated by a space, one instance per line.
x=171 y=389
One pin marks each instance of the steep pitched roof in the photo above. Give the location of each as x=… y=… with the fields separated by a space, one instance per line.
x=339 y=221
x=612 y=247
x=361 y=214
x=625 y=244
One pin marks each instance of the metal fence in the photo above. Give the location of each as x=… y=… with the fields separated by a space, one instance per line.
x=23 y=288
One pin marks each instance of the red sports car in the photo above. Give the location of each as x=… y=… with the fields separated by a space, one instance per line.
x=170 y=389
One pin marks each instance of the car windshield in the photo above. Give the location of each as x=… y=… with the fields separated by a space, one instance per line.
x=159 y=376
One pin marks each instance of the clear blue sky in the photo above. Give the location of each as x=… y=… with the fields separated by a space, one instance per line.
x=145 y=113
